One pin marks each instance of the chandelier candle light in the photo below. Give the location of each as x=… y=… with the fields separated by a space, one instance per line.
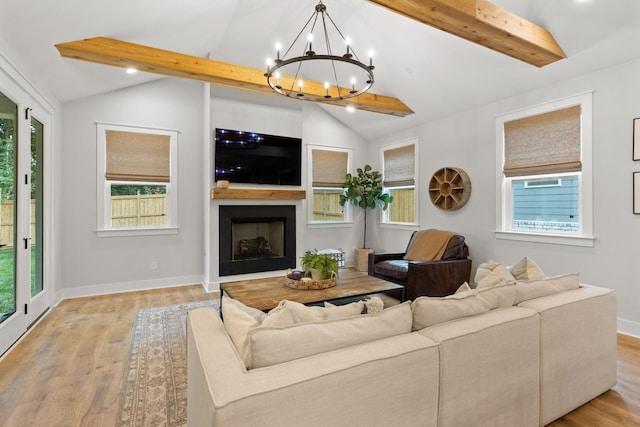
x=299 y=76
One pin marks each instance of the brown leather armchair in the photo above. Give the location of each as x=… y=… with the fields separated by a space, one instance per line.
x=428 y=278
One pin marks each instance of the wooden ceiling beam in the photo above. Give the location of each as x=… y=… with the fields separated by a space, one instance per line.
x=103 y=50
x=484 y=23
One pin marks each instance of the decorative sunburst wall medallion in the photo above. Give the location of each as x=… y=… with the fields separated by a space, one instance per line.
x=449 y=188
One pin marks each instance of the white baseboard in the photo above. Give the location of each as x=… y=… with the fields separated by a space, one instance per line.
x=212 y=287
x=629 y=327
x=114 y=288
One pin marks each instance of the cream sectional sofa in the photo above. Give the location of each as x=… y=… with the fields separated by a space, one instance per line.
x=489 y=363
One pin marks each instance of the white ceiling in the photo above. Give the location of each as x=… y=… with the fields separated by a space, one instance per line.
x=434 y=73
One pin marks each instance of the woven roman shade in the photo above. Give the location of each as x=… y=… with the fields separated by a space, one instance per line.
x=133 y=156
x=545 y=143
x=329 y=168
x=399 y=166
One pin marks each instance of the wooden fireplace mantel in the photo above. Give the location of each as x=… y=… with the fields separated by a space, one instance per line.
x=251 y=193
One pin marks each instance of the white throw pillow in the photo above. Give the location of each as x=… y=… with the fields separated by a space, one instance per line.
x=259 y=315
x=428 y=311
x=526 y=269
x=463 y=288
x=492 y=274
x=333 y=311
x=549 y=286
x=484 y=269
x=294 y=312
x=280 y=315
x=238 y=322
x=270 y=346
x=239 y=319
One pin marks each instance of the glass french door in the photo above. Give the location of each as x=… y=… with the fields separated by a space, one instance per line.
x=8 y=211
x=36 y=207
x=22 y=290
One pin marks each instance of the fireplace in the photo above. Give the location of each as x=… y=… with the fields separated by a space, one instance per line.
x=256 y=238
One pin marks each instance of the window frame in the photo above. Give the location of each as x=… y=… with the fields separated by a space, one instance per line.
x=504 y=188
x=103 y=190
x=384 y=214
x=347 y=219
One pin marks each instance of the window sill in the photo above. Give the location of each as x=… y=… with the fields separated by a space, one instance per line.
x=138 y=231
x=330 y=224
x=554 y=239
x=400 y=225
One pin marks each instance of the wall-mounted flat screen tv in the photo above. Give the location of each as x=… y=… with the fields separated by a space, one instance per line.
x=257 y=158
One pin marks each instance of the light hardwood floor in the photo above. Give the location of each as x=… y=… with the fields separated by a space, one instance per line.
x=67 y=371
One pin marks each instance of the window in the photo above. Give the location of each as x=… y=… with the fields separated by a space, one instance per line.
x=328 y=169
x=137 y=178
x=548 y=205
x=399 y=172
x=545 y=181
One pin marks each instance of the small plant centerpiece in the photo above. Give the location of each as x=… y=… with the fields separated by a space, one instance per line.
x=365 y=190
x=320 y=266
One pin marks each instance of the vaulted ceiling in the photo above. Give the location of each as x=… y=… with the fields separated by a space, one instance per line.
x=433 y=72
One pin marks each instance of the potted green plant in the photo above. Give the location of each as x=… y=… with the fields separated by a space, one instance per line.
x=320 y=266
x=365 y=190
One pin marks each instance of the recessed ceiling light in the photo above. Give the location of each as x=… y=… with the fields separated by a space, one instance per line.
x=350 y=108
x=131 y=70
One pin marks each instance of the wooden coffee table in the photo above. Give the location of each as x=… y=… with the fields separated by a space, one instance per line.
x=265 y=294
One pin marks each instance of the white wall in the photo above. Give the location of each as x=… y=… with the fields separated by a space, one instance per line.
x=92 y=265
x=321 y=128
x=467 y=140
x=304 y=120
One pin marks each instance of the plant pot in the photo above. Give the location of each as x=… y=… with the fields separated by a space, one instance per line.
x=316 y=275
x=361 y=259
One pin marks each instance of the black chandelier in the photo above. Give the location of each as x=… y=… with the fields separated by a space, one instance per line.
x=342 y=76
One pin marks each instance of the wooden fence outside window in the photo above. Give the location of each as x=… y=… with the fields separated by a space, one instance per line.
x=141 y=210
x=326 y=205
x=7 y=219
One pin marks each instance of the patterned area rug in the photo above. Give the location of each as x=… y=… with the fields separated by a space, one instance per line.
x=154 y=387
